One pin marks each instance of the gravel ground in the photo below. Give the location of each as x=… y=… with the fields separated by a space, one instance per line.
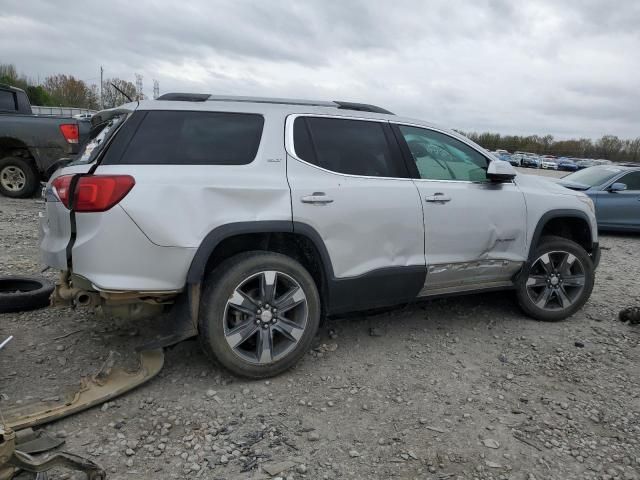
x=457 y=388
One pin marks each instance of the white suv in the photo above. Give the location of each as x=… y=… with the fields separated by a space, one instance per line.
x=250 y=218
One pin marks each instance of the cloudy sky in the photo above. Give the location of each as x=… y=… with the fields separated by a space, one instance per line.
x=569 y=68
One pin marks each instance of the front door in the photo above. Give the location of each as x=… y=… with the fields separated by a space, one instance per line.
x=474 y=228
x=620 y=209
x=350 y=186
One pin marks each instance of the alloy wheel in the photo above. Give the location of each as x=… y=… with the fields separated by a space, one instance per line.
x=265 y=317
x=556 y=280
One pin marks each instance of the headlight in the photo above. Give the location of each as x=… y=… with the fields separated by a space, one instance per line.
x=588 y=202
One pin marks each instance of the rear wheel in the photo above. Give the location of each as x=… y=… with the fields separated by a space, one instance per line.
x=18 y=178
x=557 y=282
x=260 y=312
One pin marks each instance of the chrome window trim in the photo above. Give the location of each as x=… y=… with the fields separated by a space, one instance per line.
x=291 y=151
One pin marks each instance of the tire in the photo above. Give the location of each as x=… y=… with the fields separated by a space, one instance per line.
x=19 y=294
x=233 y=332
x=18 y=178
x=554 y=290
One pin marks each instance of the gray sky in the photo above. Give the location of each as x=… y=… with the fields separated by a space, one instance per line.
x=569 y=68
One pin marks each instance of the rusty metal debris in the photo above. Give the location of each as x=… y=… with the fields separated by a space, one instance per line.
x=13 y=460
x=107 y=384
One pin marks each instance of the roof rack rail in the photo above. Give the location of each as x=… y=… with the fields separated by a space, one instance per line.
x=203 y=97
x=362 y=107
x=185 y=97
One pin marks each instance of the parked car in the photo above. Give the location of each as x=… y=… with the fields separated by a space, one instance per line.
x=585 y=163
x=548 y=162
x=602 y=161
x=297 y=209
x=83 y=116
x=567 y=165
x=505 y=157
x=531 y=162
x=516 y=162
x=29 y=144
x=615 y=191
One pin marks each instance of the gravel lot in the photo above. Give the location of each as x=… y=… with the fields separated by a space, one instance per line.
x=457 y=388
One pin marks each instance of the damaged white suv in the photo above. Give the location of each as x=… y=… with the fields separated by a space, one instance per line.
x=250 y=218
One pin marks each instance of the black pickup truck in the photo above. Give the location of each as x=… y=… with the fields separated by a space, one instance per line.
x=30 y=145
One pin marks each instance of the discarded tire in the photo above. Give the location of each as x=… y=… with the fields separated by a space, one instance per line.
x=18 y=293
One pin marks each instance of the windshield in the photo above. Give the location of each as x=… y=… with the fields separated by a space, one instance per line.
x=593 y=176
x=99 y=137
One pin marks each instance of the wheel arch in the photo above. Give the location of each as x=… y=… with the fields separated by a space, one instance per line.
x=296 y=240
x=14 y=147
x=567 y=223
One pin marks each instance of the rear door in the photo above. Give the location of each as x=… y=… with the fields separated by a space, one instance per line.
x=620 y=209
x=350 y=189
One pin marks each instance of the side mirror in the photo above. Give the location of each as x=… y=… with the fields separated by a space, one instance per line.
x=501 y=171
x=617 y=187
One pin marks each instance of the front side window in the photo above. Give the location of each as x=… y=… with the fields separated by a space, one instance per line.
x=195 y=138
x=441 y=157
x=631 y=180
x=354 y=147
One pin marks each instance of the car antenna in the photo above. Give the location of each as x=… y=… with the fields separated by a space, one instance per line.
x=127 y=96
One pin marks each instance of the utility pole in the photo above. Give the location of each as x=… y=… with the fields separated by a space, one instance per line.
x=101 y=100
x=156 y=89
x=139 y=86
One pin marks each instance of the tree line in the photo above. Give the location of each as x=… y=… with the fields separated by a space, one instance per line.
x=63 y=90
x=609 y=147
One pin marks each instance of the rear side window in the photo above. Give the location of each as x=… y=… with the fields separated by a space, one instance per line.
x=354 y=147
x=195 y=138
x=7 y=101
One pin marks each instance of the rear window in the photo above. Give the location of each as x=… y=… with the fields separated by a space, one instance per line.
x=7 y=101
x=98 y=138
x=195 y=138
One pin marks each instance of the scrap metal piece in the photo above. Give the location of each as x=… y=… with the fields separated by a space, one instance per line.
x=75 y=462
x=7 y=447
x=28 y=441
x=107 y=384
x=12 y=460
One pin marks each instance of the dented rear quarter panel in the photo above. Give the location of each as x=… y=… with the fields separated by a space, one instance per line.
x=178 y=205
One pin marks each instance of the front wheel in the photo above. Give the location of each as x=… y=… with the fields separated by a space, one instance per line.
x=557 y=282
x=260 y=312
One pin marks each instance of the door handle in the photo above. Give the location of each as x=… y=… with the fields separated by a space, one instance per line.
x=317 y=198
x=438 y=197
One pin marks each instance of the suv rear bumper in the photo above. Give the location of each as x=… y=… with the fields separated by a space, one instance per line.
x=111 y=252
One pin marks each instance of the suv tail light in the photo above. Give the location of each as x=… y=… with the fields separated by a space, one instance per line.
x=70 y=132
x=93 y=193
